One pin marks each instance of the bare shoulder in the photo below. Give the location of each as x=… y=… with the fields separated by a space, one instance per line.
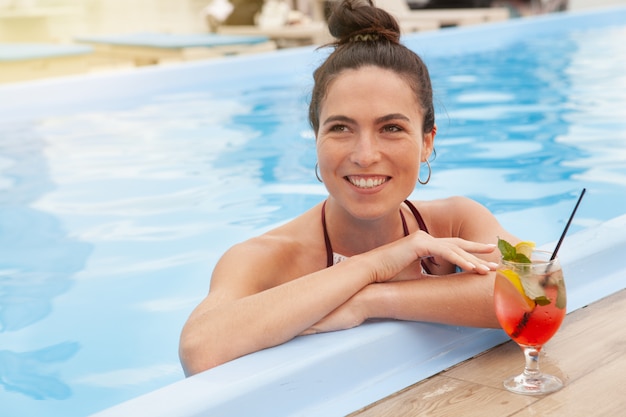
x=268 y=260
x=458 y=217
x=456 y=207
x=464 y=207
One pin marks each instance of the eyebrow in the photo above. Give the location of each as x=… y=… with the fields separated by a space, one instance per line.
x=338 y=118
x=393 y=116
x=383 y=119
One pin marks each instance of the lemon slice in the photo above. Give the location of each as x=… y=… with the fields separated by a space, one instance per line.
x=526 y=248
x=517 y=283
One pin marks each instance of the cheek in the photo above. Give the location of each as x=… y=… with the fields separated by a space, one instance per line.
x=409 y=162
x=413 y=173
x=328 y=151
x=326 y=158
x=409 y=155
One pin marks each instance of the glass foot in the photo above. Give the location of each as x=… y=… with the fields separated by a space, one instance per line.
x=533 y=385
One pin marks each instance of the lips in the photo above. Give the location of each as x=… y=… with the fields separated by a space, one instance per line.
x=366 y=182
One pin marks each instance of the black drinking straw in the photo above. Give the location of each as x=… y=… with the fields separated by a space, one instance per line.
x=558 y=245
x=524 y=320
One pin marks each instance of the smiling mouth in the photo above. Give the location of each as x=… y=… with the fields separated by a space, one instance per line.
x=369 y=182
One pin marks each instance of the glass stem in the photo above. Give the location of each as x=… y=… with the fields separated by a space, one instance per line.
x=531 y=354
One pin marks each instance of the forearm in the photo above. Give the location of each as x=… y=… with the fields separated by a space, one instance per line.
x=217 y=333
x=222 y=329
x=464 y=299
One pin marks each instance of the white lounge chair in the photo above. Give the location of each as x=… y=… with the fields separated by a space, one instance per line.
x=407 y=25
x=155 y=48
x=313 y=33
x=428 y=19
x=443 y=17
x=28 y=61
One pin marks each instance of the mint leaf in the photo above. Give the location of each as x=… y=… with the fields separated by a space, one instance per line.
x=532 y=289
x=509 y=253
x=521 y=258
x=507 y=250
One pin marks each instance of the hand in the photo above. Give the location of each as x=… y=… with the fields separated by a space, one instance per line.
x=348 y=315
x=461 y=252
x=390 y=259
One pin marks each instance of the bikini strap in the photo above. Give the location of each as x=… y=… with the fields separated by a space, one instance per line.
x=417 y=215
x=405 y=227
x=329 y=247
x=422 y=226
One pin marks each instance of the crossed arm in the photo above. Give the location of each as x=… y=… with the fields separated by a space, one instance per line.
x=238 y=317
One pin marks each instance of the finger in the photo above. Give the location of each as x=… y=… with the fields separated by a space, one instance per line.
x=475 y=247
x=466 y=261
x=479 y=265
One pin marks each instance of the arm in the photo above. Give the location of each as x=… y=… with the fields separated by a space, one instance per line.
x=464 y=299
x=238 y=318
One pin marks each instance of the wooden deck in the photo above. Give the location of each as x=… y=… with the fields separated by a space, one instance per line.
x=587 y=354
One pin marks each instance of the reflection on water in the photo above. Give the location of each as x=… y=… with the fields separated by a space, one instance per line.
x=36 y=266
x=509 y=112
x=112 y=217
x=37 y=261
x=33 y=373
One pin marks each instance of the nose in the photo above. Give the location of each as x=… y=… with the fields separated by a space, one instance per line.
x=366 y=150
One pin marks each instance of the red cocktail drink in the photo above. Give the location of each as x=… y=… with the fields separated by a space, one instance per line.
x=530 y=301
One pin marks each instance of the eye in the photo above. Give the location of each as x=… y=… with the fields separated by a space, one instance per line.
x=392 y=128
x=338 y=128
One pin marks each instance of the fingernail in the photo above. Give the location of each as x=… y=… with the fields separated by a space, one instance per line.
x=472 y=266
x=493 y=265
x=484 y=267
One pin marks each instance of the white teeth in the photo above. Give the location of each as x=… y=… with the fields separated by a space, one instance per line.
x=366 y=183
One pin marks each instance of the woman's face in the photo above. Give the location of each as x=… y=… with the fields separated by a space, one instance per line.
x=370 y=142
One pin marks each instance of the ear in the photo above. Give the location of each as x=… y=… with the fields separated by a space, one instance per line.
x=428 y=143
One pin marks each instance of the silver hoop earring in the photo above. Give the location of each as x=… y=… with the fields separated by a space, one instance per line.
x=317 y=175
x=430 y=171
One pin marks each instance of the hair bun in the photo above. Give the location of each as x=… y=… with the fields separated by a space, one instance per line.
x=360 y=20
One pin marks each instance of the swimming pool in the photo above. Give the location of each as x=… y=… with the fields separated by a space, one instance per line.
x=119 y=192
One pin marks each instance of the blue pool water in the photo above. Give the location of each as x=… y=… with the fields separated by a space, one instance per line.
x=119 y=193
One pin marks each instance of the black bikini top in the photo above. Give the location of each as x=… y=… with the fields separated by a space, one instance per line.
x=416 y=214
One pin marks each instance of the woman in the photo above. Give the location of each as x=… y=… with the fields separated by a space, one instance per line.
x=365 y=252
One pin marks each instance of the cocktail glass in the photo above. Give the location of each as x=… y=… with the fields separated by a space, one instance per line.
x=530 y=302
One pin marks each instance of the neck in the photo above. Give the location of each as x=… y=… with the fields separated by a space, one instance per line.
x=351 y=235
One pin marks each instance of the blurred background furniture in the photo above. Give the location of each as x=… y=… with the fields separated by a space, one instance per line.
x=28 y=61
x=280 y=20
x=428 y=15
x=452 y=16
x=156 y=48
x=33 y=23
x=313 y=33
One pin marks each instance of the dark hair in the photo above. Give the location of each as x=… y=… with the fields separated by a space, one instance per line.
x=366 y=35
